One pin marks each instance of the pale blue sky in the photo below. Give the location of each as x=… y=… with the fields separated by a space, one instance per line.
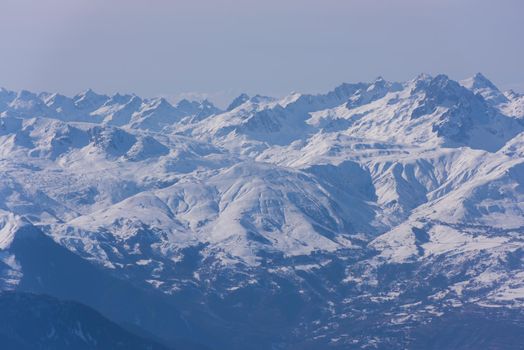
x=224 y=47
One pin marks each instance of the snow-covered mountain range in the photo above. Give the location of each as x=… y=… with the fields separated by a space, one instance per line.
x=356 y=218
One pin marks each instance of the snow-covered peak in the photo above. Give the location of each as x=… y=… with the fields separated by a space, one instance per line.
x=121 y=99
x=478 y=81
x=64 y=106
x=155 y=114
x=187 y=106
x=203 y=110
x=89 y=100
x=208 y=108
x=420 y=80
x=199 y=110
x=118 y=109
x=479 y=84
x=375 y=91
x=441 y=91
x=160 y=103
x=27 y=104
x=237 y=101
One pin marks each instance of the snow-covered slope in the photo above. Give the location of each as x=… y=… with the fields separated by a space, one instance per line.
x=383 y=198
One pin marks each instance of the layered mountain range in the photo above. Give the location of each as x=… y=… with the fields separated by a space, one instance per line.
x=373 y=216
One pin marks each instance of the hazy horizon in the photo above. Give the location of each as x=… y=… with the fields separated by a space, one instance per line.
x=218 y=49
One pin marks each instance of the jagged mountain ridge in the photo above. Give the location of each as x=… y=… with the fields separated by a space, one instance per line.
x=423 y=178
